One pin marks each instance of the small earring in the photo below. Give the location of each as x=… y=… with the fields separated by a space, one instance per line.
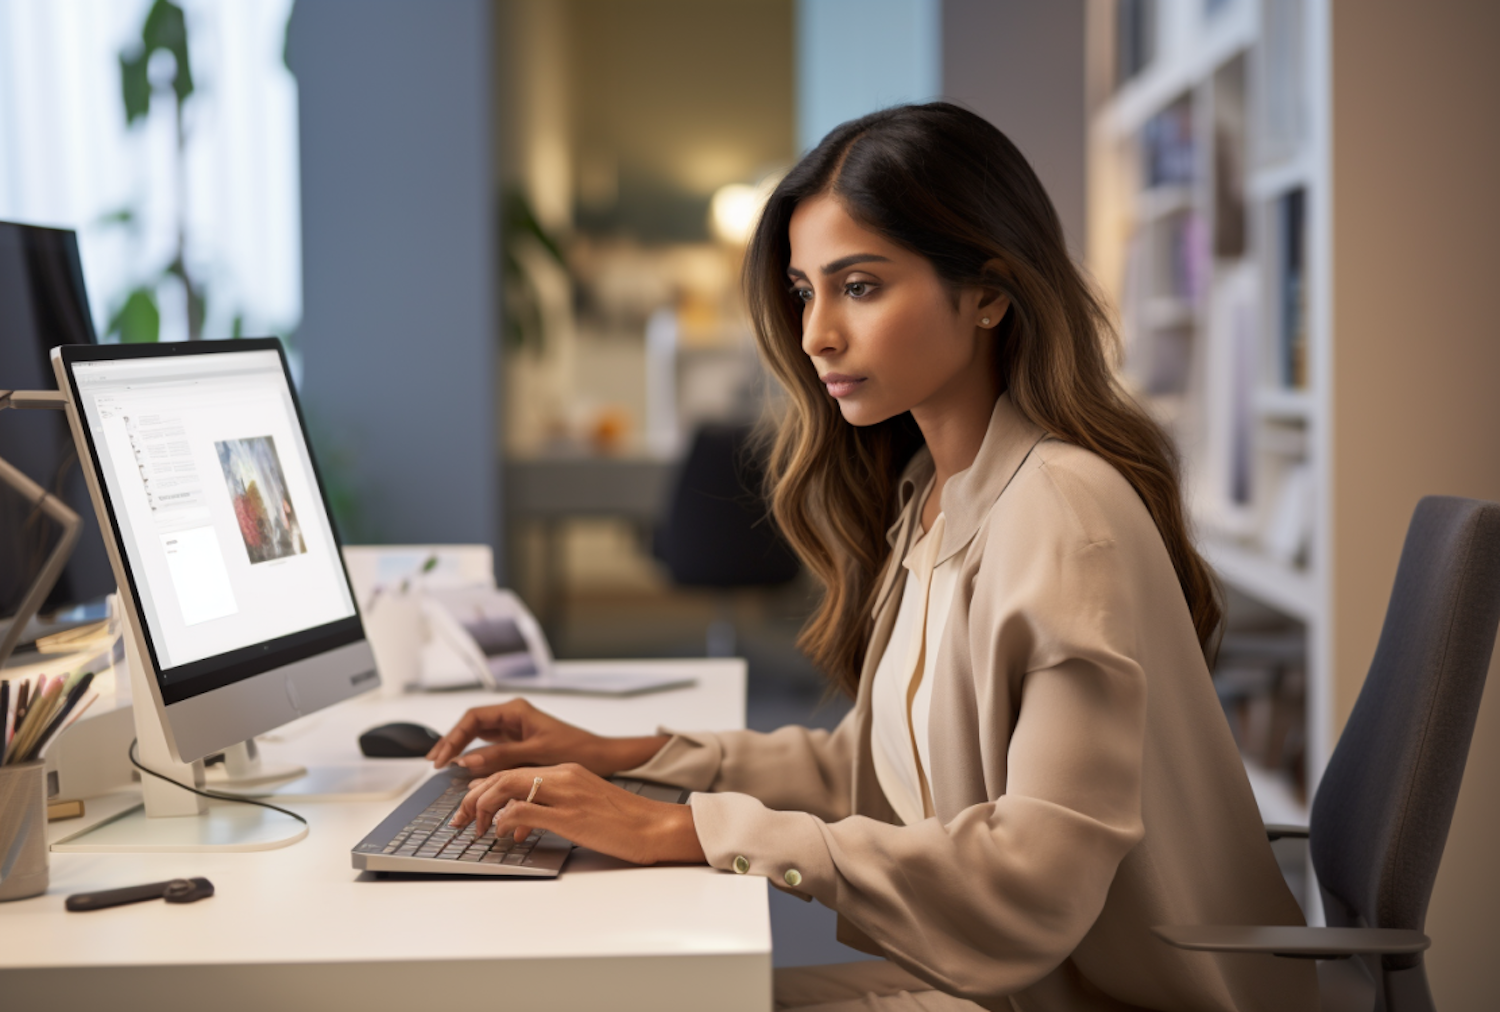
x=985 y=322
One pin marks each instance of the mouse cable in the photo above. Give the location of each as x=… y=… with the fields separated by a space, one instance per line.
x=215 y=795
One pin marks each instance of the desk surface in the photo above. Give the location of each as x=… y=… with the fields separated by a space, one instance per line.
x=298 y=927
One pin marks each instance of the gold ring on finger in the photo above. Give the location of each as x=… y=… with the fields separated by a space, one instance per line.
x=536 y=785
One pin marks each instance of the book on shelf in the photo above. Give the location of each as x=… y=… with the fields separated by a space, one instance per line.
x=1167 y=146
x=1288 y=530
x=1187 y=257
x=1292 y=270
x=1135 y=37
x=1240 y=297
x=1156 y=325
x=1231 y=227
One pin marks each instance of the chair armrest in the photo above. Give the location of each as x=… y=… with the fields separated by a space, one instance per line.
x=1296 y=942
x=1276 y=831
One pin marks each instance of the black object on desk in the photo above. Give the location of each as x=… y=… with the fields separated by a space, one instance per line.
x=398 y=741
x=177 y=890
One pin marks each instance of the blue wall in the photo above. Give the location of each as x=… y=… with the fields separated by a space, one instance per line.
x=856 y=56
x=398 y=338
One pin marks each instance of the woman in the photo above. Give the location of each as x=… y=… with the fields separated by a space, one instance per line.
x=1036 y=769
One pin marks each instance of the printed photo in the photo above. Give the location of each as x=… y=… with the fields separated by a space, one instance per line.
x=262 y=504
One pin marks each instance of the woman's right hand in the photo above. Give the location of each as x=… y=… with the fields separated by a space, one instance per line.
x=522 y=735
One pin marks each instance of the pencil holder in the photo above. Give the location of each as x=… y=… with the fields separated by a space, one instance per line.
x=23 y=830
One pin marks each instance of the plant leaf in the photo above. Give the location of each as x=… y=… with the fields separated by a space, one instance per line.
x=138 y=321
x=135 y=86
x=521 y=220
x=122 y=216
x=166 y=28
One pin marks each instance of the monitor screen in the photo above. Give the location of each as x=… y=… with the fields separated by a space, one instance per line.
x=208 y=480
x=43 y=304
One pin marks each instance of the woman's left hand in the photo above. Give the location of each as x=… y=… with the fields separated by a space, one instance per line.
x=585 y=808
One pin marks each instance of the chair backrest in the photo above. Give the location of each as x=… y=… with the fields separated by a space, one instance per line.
x=718 y=532
x=1382 y=812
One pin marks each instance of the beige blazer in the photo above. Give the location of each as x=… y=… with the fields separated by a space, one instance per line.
x=1083 y=777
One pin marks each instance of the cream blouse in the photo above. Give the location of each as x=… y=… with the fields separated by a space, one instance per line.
x=901 y=698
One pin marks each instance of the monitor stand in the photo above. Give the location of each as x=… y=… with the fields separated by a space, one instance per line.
x=173 y=820
x=170 y=819
x=244 y=768
x=245 y=771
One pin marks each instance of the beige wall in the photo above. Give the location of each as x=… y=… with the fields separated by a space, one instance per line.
x=683 y=95
x=1416 y=373
x=697 y=93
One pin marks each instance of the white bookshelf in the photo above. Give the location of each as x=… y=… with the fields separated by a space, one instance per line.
x=1398 y=400
x=1194 y=162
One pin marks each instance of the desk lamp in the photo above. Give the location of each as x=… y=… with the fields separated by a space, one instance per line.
x=49 y=504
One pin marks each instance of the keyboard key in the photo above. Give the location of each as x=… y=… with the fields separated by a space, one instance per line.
x=514 y=857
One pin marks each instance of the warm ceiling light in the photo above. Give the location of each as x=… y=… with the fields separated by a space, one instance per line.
x=735 y=209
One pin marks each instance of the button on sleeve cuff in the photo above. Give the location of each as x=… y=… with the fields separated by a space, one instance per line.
x=739 y=834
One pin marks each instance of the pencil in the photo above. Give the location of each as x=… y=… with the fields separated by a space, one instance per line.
x=36 y=717
x=80 y=712
x=19 y=702
x=23 y=725
x=5 y=717
x=24 y=694
x=59 y=714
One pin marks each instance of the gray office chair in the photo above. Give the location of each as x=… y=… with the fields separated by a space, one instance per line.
x=1381 y=815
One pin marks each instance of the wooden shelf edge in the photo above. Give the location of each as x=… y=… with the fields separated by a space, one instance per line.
x=1278 y=402
x=1272 y=181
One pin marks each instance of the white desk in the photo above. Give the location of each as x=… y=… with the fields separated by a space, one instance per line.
x=298 y=928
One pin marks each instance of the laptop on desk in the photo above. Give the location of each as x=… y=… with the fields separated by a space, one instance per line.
x=416 y=836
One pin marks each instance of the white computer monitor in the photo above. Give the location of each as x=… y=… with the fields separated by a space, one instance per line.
x=219 y=533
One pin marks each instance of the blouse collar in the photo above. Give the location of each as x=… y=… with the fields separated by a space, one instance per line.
x=969 y=495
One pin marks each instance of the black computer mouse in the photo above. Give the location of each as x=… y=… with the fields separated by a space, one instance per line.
x=398 y=741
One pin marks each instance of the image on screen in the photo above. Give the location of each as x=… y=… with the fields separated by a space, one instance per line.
x=262 y=503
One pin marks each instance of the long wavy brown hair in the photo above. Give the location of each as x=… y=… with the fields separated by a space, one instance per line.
x=946 y=184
